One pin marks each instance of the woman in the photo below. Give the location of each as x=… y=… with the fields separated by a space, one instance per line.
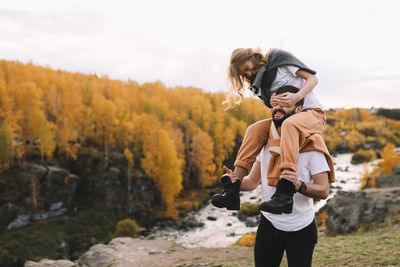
x=263 y=74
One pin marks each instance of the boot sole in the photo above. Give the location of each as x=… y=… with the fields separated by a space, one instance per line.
x=220 y=204
x=276 y=211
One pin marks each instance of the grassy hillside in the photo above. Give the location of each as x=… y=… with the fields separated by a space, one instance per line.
x=374 y=248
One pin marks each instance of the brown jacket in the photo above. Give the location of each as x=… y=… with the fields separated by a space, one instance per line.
x=312 y=143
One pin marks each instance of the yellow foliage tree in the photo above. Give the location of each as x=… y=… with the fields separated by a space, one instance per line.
x=129 y=158
x=45 y=134
x=202 y=157
x=104 y=118
x=69 y=116
x=8 y=126
x=224 y=143
x=28 y=102
x=162 y=164
x=389 y=158
x=6 y=147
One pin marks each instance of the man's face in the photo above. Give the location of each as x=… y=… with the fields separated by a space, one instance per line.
x=279 y=113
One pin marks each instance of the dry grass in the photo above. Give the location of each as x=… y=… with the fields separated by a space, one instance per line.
x=375 y=248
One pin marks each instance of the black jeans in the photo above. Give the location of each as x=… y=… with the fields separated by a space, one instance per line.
x=271 y=243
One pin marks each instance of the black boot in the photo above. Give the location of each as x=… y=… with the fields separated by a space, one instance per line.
x=282 y=200
x=229 y=198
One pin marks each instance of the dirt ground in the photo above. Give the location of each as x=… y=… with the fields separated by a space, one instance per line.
x=199 y=257
x=129 y=252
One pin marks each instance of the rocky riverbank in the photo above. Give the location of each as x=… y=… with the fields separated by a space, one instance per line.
x=376 y=210
x=69 y=214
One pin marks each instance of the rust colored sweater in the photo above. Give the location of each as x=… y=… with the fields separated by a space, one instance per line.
x=312 y=143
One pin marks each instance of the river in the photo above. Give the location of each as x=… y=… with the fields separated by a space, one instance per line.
x=226 y=229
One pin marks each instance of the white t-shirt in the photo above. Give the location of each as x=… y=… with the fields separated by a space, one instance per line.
x=303 y=214
x=286 y=75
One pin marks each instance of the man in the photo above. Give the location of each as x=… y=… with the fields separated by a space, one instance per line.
x=266 y=74
x=294 y=232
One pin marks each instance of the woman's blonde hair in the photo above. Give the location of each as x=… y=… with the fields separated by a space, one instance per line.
x=236 y=81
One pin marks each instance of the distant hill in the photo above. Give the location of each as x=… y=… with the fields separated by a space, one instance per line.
x=389 y=113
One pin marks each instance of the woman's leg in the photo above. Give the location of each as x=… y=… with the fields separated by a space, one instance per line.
x=294 y=132
x=255 y=138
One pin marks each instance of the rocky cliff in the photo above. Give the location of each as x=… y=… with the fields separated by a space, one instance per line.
x=33 y=191
x=70 y=205
x=349 y=211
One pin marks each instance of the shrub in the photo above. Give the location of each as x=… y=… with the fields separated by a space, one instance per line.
x=368 y=179
x=247 y=240
x=249 y=209
x=363 y=156
x=321 y=219
x=127 y=227
x=185 y=206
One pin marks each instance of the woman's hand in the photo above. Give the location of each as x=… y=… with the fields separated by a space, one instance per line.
x=287 y=99
x=230 y=174
x=292 y=176
x=273 y=100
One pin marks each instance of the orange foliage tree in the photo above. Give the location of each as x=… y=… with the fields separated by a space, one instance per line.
x=389 y=158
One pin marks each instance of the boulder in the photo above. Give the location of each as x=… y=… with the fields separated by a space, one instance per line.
x=54 y=190
x=211 y=218
x=36 y=170
x=144 y=190
x=8 y=212
x=60 y=187
x=115 y=175
x=188 y=223
x=396 y=170
x=386 y=181
x=251 y=221
x=50 y=263
x=20 y=221
x=347 y=211
x=124 y=251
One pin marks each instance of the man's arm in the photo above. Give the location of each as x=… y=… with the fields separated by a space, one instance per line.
x=319 y=189
x=251 y=181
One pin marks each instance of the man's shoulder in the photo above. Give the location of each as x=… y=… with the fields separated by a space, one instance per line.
x=314 y=161
x=312 y=155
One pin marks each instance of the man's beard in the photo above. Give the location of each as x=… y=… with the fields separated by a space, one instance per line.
x=278 y=122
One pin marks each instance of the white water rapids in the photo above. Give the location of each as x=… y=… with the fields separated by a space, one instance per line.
x=227 y=228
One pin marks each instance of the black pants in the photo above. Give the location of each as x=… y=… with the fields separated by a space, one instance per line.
x=271 y=243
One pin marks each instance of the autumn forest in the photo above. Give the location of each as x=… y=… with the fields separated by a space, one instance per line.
x=178 y=137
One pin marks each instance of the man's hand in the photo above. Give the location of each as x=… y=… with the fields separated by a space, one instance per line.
x=292 y=176
x=230 y=174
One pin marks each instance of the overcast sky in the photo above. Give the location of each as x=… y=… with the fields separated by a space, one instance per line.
x=353 y=45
